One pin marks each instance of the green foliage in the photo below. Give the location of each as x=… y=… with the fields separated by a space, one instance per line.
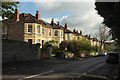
x=110 y=47
x=56 y=51
x=95 y=48
x=78 y=47
x=53 y=44
x=47 y=44
x=8 y=9
x=71 y=46
x=63 y=45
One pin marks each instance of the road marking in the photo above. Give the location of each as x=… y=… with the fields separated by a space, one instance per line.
x=97 y=76
x=46 y=72
x=35 y=75
x=86 y=73
x=95 y=68
x=29 y=77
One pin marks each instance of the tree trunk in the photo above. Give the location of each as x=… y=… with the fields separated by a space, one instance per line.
x=100 y=45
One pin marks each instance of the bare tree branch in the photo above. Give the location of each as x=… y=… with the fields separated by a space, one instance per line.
x=103 y=34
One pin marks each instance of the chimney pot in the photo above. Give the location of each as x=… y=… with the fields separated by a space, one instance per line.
x=80 y=32
x=74 y=30
x=77 y=31
x=38 y=15
x=58 y=23
x=52 y=21
x=66 y=26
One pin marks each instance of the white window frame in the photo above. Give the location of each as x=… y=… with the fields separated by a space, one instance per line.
x=38 y=40
x=29 y=25
x=55 y=33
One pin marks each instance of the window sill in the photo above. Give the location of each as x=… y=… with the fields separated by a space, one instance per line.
x=4 y=33
x=29 y=33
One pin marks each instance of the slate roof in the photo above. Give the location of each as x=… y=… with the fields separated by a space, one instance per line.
x=28 y=18
x=67 y=31
x=56 y=26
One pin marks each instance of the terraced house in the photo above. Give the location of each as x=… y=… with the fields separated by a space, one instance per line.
x=32 y=29
x=68 y=35
x=29 y=28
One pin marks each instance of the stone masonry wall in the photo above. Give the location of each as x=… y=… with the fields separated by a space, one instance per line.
x=19 y=51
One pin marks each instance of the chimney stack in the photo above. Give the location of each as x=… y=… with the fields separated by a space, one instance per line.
x=86 y=35
x=66 y=26
x=58 y=23
x=74 y=30
x=89 y=36
x=80 y=32
x=52 y=22
x=38 y=15
x=16 y=15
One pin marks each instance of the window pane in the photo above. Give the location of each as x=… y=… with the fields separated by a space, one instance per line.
x=30 y=41
x=30 y=28
x=38 y=29
x=42 y=42
x=50 y=32
x=43 y=31
x=56 y=33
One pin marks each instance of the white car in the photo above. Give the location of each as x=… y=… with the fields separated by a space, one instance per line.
x=101 y=53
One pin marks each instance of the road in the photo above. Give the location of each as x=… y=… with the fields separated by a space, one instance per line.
x=62 y=69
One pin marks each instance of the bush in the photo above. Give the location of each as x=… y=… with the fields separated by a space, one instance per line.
x=78 y=47
x=60 y=55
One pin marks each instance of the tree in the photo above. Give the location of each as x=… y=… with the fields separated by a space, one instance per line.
x=63 y=45
x=8 y=9
x=77 y=47
x=103 y=35
x=110 y=11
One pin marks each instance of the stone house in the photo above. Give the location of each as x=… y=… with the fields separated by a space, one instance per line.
x=31 y=29
x=68 y=35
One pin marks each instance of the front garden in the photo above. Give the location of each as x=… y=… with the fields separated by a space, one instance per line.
x=70 y=49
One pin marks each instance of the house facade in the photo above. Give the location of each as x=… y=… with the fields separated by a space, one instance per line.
x=32 y=29
x=68 y=35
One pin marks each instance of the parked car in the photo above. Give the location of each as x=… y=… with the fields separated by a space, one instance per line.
x=101 y=53
x=112 y=58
